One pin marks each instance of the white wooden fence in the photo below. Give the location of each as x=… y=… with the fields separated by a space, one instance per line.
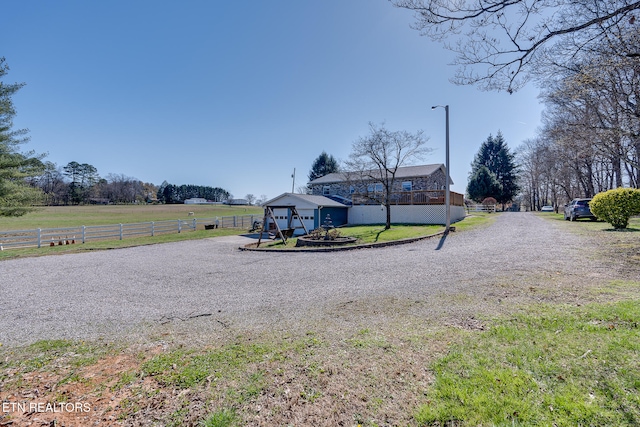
x=64 y=236
x=481 y=208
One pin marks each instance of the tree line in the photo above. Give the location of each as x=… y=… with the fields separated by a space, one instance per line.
x=590 y=138
x=585 y=55
x=79 y=183
x=169 y=193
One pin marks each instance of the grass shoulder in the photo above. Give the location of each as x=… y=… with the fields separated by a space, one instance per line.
x=545 y=365
x=622 y=245
x=550 y=365
x=118 y=244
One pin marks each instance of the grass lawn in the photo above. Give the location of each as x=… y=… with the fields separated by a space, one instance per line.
x=561 y=366
x=71 y=216
x=377 y=234
x=621 y=244
x=371 y=234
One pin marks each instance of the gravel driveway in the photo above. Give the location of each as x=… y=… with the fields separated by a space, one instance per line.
x=203 y=288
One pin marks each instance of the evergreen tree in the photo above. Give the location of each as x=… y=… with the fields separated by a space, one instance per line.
x=495 y=156
x=16 y=195
x=323 y=165
x=482 y=184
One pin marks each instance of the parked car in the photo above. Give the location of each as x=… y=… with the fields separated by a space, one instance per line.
x=578 y=208
x=547 y=209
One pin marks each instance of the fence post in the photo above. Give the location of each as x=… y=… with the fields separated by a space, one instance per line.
x=152 y=228
x=235 y=221
x=83 y=233
x=179 y=226
x=120 y=231
x=39 y=237
x=195 y=224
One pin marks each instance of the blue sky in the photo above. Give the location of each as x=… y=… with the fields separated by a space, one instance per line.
x=238 y=94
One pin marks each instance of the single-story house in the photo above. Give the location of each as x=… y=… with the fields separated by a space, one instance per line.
x=312 y=209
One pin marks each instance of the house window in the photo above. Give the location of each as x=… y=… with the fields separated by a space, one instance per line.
x=407 y=186
x=377 y=187
x=326 y=190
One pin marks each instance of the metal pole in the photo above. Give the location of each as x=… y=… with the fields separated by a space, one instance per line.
x=293 y=184
x=447 y=195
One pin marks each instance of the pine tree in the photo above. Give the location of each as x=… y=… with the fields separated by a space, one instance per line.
x=323 y=165
x=495 y=156
x=482 y=184
x=16 y=195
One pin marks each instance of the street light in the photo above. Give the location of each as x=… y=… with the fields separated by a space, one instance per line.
x=447 y=194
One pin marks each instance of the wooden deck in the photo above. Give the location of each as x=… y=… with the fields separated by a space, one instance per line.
x=418 y=197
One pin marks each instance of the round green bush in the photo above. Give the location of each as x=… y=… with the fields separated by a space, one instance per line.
x=616 y=206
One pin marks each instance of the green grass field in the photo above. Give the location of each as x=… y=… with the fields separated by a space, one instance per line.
x=70 y=216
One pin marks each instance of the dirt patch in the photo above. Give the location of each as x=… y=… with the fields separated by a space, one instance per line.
x=66 y=396
x=363 y=378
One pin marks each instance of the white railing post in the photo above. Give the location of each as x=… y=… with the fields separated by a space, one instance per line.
x=152 y=228
x=84 y=232
x=39 y=237
x=179 y=226
x=120 y=231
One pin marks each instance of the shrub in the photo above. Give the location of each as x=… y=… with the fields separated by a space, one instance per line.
x=616 y=206
x=489 y=201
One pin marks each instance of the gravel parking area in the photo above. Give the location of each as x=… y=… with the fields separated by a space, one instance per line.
x=197 y=290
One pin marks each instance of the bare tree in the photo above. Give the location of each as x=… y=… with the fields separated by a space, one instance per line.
x=512 y=40
x=262 y=199
x=376 y=158
x=250 y=198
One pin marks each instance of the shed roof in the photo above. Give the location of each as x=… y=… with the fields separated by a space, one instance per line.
x=292 y=199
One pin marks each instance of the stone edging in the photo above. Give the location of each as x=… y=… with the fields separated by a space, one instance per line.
x=251 y=246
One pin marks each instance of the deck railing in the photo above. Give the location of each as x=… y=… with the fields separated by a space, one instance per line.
x=416 y=197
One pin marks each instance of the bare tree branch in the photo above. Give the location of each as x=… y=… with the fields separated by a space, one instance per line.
x=503 y=43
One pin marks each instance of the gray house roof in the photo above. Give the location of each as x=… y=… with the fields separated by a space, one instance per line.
x=402 y=172
x=286 y=199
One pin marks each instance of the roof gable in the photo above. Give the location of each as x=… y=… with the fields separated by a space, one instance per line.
x=306 y=200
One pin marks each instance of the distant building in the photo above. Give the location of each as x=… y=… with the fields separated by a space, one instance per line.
x=238 y=202
x=196 y=201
